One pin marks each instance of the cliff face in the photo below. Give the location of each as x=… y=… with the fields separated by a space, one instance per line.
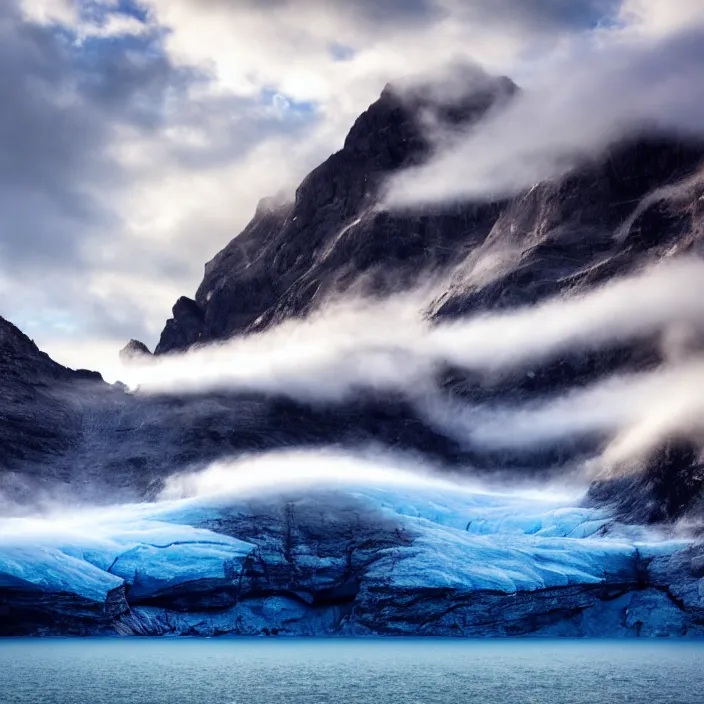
x=293 y=256
x=629 y=205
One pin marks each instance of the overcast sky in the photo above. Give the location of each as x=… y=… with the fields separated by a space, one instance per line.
x=137 y=137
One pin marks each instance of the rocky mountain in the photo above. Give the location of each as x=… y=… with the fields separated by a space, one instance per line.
x=39 y=413
x=635 y=202
x=640 y=201
x=361 y=560
x=294 y=256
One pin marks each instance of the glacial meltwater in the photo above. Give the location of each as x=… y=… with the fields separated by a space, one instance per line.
x=326 y=671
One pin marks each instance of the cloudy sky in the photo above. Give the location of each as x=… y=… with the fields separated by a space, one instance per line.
x=136 y=136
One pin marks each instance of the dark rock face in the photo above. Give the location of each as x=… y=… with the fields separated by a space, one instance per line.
x=668 y=486
x=612 y=215
x=578 y=232
x=38 y=417
x=32 y=612
x=184 y=329
x=134 y=349
x=68 y=434
x=291 y=257
x=79 y=438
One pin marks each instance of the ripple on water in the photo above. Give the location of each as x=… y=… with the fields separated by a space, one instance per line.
x=364 y=671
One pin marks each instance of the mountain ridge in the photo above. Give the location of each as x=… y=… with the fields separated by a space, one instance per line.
x=367 y=559
x=603 y=217
x=643 y=200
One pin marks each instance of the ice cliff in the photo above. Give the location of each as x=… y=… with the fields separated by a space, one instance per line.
x=348 y=559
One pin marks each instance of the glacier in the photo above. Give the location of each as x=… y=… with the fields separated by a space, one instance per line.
x=348 y=559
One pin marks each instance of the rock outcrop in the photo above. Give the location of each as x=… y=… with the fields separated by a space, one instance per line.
x=185 y=329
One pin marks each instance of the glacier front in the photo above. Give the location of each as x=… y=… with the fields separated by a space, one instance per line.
x=347 y=559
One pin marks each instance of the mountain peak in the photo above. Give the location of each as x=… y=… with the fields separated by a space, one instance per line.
x=134 y=349
x=409 y=108
x=335 y=238
x=184 y=328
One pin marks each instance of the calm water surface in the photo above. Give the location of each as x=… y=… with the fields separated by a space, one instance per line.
x=262 y=671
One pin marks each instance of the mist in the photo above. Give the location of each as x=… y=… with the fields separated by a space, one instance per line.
x=266 y=475
x=392 y=346
x=330 y=468
x=636 y=411
x=576 y=106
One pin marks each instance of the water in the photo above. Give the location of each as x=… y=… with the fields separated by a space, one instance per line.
x=262 y=671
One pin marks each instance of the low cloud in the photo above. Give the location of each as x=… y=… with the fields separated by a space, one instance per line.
x=575 y=107
x=611 y=405
x=390 y=346
x=273 y=472
x=374 y=468
x=632 y=414
x=327 y=357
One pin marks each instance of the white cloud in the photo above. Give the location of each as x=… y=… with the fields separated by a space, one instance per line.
x=657 y=18
x=188 y=158
x=51 y=11
x=634 y=413
x=581 y=102
x=117 y=25
x=391 y=346
x=324 y=468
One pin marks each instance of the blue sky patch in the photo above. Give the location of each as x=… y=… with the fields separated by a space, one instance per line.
x=341 y=52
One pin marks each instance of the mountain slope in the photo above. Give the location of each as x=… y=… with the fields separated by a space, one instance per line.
x=68 y=436
x=629 y=205
x=38 y=417
x=293 y=256
x=641 y=201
